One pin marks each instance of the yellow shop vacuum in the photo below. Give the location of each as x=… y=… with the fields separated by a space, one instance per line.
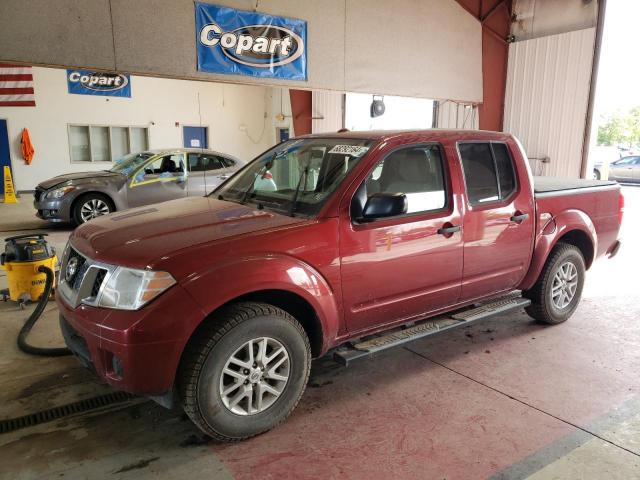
x=23 y=257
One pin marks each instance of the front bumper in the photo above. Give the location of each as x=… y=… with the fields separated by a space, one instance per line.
x=55 y=210
x=134 y=351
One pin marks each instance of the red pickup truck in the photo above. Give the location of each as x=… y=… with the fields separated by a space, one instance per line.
x=350 y=243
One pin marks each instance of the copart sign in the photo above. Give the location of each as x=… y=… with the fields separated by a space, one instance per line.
x=86 y=82
x=248 y=43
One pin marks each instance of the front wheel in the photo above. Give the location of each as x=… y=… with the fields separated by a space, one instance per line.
x=596 y=174
x=245 y=371
x=558 y=290
x=90 y=206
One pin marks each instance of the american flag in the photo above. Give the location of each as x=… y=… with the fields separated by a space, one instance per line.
x=16 y=86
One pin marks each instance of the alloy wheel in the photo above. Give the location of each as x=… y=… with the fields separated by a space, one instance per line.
x=254 y=376
x=93 y=208
x=564 y=286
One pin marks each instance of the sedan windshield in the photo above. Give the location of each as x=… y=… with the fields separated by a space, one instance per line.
x=131 y=162
x=296 y=176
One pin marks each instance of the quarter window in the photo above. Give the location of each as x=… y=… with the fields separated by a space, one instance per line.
x=488 y=172
x=417 y=172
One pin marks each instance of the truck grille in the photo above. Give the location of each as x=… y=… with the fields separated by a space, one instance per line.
x=98 y=282
x=80 y=282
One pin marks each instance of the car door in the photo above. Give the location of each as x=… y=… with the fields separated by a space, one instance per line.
x=636 y=170
x=498 y=222
x=206 y=172
x=162 y=178
x=402 y=267
x=623 y=169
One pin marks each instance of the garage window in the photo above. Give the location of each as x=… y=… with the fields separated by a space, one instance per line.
x=101 y=143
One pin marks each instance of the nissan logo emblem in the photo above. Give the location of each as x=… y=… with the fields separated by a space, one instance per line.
x=70 y=270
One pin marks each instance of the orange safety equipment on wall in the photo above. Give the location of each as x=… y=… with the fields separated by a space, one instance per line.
x=27 y=148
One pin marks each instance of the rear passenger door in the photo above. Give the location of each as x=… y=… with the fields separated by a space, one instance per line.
x=498 y=225
x=205 y=171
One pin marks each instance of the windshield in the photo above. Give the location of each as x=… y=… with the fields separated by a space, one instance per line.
x=131 y=162
x=296 y=176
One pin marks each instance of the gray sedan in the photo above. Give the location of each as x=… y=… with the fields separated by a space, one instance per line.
x=136 y=179
x=624 y=170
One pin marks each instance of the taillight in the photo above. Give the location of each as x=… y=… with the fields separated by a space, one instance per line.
x=620 y=208
x=267 y=176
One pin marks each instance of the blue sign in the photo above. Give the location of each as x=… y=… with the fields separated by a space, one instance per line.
x=247 y=43
x=86 y=82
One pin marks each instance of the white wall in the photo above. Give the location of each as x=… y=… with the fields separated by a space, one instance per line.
x=155 y=103
x=546 y=99
x=400 y=113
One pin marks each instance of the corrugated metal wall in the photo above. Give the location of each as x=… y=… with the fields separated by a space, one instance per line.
x=457 y=115
x=327 y=110
x=546 y=99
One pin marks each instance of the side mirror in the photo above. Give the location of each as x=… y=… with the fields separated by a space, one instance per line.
x=381 y=205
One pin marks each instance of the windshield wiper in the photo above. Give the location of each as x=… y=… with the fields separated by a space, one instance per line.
x=252 y=184
x=294 y=200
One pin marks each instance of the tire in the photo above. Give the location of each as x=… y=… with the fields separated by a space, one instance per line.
x=544 y=307
x=596 y=174
x=200 y=379
x=100 y=205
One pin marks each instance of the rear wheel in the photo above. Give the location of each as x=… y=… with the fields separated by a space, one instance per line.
x=90 y=206
x=244 y=372
x=558 y=290
x=596 y=174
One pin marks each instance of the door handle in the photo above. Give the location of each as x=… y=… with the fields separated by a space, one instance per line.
x=223 y=177
x=448 y=231
x=519 y=217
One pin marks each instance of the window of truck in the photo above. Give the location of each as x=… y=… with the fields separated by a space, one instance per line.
x=297 y=176
x=488 y=171
x=417 y=172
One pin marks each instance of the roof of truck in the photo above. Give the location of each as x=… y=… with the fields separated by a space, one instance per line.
x=427 y=134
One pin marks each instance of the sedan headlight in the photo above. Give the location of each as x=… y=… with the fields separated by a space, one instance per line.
x=60 y=192
x=130 y=289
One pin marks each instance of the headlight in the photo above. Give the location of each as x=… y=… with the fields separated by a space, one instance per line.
x=60 y=192
x=130 y=289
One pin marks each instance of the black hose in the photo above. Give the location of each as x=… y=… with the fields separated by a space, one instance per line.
x=31 y=321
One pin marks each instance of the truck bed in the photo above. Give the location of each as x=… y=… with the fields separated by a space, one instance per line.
x=544 y=185
x=598 y=199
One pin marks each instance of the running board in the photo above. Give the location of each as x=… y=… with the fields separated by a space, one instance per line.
x=350 y=352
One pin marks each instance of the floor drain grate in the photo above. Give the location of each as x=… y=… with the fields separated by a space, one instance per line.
x=62 y=411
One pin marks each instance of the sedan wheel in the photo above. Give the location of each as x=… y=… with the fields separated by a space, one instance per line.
x=91 y=206
x=92 y=209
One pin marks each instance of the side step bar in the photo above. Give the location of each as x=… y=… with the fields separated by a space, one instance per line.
x=350 y=352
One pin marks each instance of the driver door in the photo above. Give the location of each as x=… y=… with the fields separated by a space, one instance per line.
x=403 y=267
x=160 y=179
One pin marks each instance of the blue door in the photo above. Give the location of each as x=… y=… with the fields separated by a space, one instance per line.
x=195 y=137
x=5 y=159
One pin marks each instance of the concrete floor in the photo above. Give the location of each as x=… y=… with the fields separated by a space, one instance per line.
x=505 y=399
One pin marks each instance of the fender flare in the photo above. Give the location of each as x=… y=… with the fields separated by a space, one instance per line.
x=263 y=273
x=566 y=222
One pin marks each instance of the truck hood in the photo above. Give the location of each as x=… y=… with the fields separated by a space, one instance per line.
x=76 y=177
x=140 y=236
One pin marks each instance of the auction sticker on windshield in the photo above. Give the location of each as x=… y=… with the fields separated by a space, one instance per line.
x=353 y=150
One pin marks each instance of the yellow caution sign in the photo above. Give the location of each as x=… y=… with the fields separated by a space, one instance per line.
x=9 y=192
